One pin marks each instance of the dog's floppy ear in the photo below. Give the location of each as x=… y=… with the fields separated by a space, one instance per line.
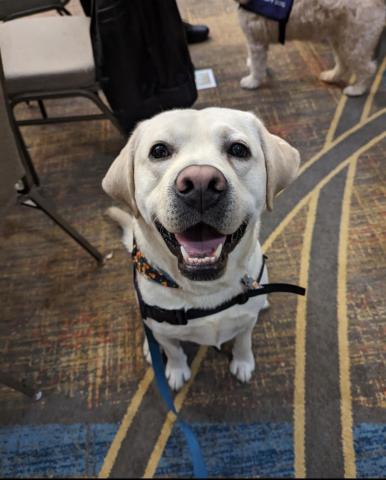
x=119 y=179
x=281 y=161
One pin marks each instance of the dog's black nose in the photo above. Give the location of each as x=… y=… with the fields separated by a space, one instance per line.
x=201 y=186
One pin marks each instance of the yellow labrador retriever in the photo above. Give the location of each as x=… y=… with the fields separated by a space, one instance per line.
x=196 y=183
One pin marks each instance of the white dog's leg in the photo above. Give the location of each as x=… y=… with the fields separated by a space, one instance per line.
x=177 y=369
x=243 y=362
x=339 y=72
x=357 y=56
x=362 y=80
x=248 y=59
x=257 y=60
x=146 y=351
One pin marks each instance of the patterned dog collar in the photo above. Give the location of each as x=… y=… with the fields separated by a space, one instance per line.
x=155 y=275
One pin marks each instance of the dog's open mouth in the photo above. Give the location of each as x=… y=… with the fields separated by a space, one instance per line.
x=202 y=251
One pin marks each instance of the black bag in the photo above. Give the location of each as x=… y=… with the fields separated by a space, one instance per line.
x=278 y=10
x=142 y=58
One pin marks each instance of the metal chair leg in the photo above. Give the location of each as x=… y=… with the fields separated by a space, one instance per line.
x=93 y=96
x=63 y=11
x=32 y=176
x=20 y=386
x=42 y=109
x=46 y=206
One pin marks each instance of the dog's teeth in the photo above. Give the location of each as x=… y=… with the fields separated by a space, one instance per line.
x=217 y=253
x=184 y=253
x=198 y=260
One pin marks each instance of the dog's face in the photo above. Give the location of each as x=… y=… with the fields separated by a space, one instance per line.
x=200 y=179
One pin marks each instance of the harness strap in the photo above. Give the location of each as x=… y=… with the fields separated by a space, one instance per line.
x=282 y=27
x=182 y=316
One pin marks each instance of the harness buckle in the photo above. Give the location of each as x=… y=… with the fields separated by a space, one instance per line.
x=181 y=317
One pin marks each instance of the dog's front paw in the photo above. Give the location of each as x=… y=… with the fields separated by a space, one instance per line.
x=177 y=375
x=243 y=368
x=330 y=76
x=250 y=82
x=355 y=90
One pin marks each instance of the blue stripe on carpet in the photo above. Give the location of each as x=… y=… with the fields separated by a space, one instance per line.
x=54 y=450
x=370 y=450
x=233 y=450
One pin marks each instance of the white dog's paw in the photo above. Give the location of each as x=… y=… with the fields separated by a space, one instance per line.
x=177 y=375
x=355 y=90
x=330 y=76
x=250 y=82
x=146 y=351
x=242 y=369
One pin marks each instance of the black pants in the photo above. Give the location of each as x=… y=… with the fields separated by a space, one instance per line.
x=142 y=58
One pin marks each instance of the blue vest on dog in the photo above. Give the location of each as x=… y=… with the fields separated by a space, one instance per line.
x=278 y=10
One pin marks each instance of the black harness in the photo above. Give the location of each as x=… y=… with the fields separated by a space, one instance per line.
x=253 y=288
x=278 y=10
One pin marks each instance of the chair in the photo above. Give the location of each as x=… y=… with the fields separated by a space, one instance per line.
x=51 y=57
x=11 y=9
x=16 y=167
x=19 y=182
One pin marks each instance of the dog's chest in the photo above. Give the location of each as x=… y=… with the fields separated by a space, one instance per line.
x=215 y=329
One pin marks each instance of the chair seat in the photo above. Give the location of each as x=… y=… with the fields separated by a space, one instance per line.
x=47 y=54
x=14 y=7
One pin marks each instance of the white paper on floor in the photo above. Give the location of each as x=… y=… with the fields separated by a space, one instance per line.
x=205 y=79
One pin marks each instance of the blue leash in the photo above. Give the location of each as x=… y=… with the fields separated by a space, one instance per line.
x=199 y=467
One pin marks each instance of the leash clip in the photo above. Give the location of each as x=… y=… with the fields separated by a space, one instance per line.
x=250 y=283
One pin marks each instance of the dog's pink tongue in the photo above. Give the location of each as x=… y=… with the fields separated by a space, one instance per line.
x=200 y=240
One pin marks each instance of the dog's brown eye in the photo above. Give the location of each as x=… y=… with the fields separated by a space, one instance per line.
x=160 y=150
x=239 y=150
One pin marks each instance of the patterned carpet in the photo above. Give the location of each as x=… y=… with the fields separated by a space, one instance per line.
x=316 y=404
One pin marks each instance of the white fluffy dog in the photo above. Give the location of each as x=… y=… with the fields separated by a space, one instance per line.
x=353 y=28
